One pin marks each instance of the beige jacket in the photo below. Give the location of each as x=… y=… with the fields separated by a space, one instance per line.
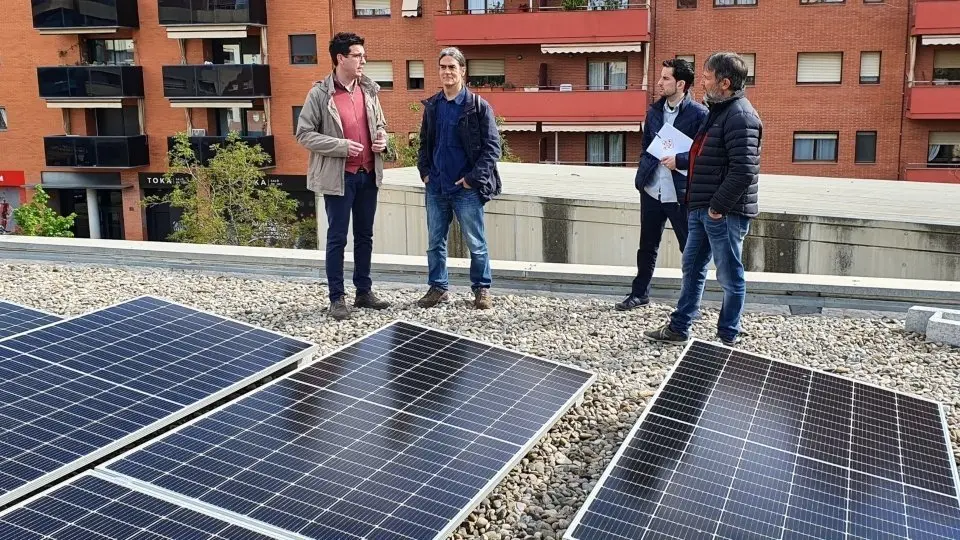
x=320 y=131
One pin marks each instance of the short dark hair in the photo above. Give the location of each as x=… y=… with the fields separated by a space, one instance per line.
x=682 y=71
x=728 y=65
x=341 y=43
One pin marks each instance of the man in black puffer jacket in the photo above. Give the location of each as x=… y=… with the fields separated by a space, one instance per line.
x=722 y=199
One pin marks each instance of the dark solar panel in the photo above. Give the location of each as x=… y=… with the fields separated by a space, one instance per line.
x=15 y=319
x=737 y=446
x=93 y=508
x=58 y=412
x=398 y=435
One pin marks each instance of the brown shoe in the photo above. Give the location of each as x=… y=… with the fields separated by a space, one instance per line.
x=370 y=301
x=433 y=297
x=482 y=299
x=339 y=310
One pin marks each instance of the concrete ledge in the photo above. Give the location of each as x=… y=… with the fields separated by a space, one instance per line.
x=804 y=293
x=939 y=325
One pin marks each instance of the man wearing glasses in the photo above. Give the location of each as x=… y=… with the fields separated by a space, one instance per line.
x=343 y=127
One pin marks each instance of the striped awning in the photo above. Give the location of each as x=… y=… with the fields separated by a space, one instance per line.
x=588 y=127
x=941 y=40
x=518 y=126
x=583 y=48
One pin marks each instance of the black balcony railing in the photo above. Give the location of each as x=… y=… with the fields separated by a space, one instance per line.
x=76 y=82
x=201 y=146
x=175 y=12
x=64 y=14
x=216 y=81
x=106 y=152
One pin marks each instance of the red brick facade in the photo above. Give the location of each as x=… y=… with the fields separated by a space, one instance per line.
x=785 y=106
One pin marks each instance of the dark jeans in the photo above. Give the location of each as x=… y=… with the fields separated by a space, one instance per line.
x=653 y=218
x=360 y=199
x=723 y=239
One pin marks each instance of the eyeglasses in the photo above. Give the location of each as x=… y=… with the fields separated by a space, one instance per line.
x=359 y=56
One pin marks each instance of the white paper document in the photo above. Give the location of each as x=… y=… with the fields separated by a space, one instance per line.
x=669 y=141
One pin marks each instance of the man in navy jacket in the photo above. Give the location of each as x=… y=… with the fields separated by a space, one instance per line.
x=661 y=183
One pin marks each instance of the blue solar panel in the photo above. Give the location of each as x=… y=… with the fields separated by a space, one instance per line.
x=737 y=446
x=94 y=508
x=399 y=435
x=15 y=319
x=58 y=413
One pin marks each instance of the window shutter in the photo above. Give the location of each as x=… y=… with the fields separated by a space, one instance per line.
x=379 y=70
x=945 y=137
x=689 y=58
x=821 y=136
x=869 y=65
x=946 y=59
x=750 y=59
x=819 y=67
x=485 y=68
x=372 y=4
x=416 y=69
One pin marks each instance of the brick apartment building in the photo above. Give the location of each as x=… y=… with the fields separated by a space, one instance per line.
x=92 y=89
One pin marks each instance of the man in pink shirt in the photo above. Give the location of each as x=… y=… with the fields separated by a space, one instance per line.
x=343 y=126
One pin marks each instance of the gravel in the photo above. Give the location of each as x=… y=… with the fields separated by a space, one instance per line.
x=539 y=497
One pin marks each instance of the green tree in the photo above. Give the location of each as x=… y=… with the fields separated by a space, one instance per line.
x=36 y=218
x=224 y=201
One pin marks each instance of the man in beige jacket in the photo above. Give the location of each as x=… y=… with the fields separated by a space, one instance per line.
x=343 y=126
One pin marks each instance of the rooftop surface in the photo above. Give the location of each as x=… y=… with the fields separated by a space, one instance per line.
x=911 y=202
x=542 y=494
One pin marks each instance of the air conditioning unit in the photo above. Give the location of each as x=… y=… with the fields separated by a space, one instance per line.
x=198 y=133
x=566 y=87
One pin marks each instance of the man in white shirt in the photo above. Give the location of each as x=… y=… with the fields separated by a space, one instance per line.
x=663 y=183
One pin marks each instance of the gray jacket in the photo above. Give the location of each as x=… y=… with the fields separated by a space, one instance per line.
x=320 y=131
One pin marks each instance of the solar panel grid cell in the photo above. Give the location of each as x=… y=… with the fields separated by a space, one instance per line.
x=15 y=319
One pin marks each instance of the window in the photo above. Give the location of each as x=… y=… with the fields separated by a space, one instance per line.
x=485 y=73
x=381 y=72
x=822 y=1
x=247 y=122
x=946 y=67
x=415 y=74
x=870 y=67
x=371 y=8
x=607 y=75
x=123 y=122
x=815 y=147
x=819 y=67
x=606 y=149
x=751 y=60
x=303 y=49
x=480 y=7
x=3 y=119
x=237 y=51
x=727 y=3
x=686 y=4
x=689 y=58
x=866 y=150
x=296 y=117
x=944 y=149
x=110 y=52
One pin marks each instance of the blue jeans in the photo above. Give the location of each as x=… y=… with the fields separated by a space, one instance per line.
x=465 y=203
x=723 y=238
x=359 y=199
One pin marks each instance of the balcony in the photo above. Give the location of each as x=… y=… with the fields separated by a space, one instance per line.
x=101 y=152
x=84 y=16
x=233 y=12
x=936 y=17
x=932 y=173
x=77 y=83
x=195 y=83
x=578 y=105
x=933 y=101
x=546 y=23
x=201 y=146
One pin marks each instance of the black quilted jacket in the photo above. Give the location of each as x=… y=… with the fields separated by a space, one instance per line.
x=726 y=159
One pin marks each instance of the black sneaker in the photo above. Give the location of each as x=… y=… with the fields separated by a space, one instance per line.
x=729 y=342
x=339 y=310
x=631 y=302
x=370 y=300
x=664 y=334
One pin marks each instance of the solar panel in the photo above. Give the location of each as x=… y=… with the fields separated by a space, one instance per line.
x=95 y=508
x=398 y=435
x=82 y=388
x=15 y=318
x=739 y=446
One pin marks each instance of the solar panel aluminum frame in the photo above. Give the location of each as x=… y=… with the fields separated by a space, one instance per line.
x=212 y=510
x=102 y=452
x=568 y=534
x=120 y=482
